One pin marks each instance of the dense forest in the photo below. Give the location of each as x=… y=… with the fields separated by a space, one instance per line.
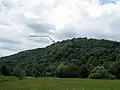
x=77 y=57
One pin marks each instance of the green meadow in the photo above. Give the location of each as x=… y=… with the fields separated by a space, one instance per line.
x=12 y=83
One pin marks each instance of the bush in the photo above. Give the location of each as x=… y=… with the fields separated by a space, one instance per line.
x=19 y=73
x=112 y=77
x=5 y=70
x=67 y=71
x=95 y=76
x=104 y=74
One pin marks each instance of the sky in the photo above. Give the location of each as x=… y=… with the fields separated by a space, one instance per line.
x=61 y=19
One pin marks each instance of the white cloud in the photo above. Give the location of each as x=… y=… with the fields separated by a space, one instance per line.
x=61 y=19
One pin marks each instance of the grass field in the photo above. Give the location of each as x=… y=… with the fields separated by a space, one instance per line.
x=58 y=84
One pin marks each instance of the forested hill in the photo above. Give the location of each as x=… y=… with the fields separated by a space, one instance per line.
x=78 y=57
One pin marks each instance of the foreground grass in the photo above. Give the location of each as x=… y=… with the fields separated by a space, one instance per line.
x=58 y=84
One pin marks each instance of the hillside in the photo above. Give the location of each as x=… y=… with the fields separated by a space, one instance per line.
x=78 y=57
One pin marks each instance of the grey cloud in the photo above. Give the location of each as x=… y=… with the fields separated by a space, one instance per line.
x=6 y=3
x=9 y=41
x=66 y=33
x=115 y=25
x=8 y=48
x=18 y=22
x=42 y=28
x=39 y=26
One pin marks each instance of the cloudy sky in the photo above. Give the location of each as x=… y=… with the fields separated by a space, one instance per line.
x=61 y=19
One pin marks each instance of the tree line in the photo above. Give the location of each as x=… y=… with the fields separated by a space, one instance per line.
x=77 y=57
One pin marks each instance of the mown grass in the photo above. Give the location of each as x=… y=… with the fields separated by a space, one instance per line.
x=12 y=83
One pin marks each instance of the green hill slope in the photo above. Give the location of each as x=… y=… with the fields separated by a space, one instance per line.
x=78 y=57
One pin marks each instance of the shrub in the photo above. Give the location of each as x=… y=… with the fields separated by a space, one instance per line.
x=95 y=76
x=68 y=70
x=104 y=74
x=19 y=73
x=111 y=77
